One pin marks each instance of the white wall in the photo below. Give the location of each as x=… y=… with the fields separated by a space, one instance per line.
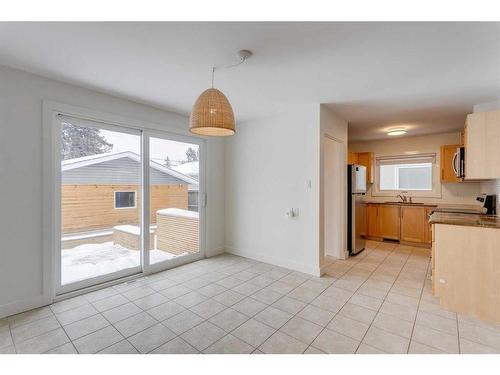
x=333 y=201
x=268 y=165
x=452 y=193
x=21 y=96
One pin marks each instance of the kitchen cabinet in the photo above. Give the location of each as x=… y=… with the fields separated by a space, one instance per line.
x=447 y=155
x=352 y=158
x=465 y=275
x=406 y=223
x=367 y=159
x=482 y=146
x=363 y=158
x=428 y=226
x=361 y=222
x=372 y=220
x=413 y=224
x=389 y=221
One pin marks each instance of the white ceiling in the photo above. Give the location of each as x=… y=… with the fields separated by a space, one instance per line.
x=426 y=76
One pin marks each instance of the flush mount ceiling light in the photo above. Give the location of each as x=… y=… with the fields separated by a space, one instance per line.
x=396 y=131
x=212 y=113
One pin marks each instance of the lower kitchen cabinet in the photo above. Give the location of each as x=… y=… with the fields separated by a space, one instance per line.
x=372 y=220
x=413 y=224
x=389 y=221
x=406 y=223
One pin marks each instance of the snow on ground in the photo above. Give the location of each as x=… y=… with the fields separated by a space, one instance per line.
x=91 y=260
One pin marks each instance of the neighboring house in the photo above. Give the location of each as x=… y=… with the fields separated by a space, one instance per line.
x=101 y=191
x=191 y=169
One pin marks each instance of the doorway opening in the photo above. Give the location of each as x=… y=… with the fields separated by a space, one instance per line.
x=334 y=198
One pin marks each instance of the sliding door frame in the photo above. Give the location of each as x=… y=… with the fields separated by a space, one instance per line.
x=177 y=261
x=91 y=281
x=51 y=231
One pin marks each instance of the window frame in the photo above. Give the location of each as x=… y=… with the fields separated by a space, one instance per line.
x=125 y=191
x=197 y=201
x=436 y=183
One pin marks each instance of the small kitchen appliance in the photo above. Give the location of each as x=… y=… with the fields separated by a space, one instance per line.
x=489 y=202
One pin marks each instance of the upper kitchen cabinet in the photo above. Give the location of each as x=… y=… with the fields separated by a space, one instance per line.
x=367 y=159
x=482 y=146
x=448 y=155
x=352 y=158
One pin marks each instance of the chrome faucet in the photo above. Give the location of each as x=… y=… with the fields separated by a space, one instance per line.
x=402 y=197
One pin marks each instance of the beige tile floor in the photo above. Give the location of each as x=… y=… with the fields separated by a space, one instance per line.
x=377 y=302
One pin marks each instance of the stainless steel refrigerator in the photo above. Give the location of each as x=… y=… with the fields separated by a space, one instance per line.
x=356 y=213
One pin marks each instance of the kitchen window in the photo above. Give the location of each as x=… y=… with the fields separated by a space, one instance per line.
x=416 y=175
x=125 y=199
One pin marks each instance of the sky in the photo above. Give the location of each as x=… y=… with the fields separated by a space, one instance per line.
x=159 y=148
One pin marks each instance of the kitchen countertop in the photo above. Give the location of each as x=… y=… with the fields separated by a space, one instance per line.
x=438 y=206
x=472 y=220
x=406 y=204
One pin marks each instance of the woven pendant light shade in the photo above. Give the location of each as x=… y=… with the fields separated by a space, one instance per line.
x=212 y=115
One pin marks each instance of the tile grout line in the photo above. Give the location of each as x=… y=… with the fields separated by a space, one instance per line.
x=206 y=320
x=62 y=327
x=336 y=313
x=418 y=307
x=98 y=313
x=219 y=269
x=354 y=292
x=385 y=297
x=161 y=321
x=101 y=313
x=12 y=337
x=271 y=305
x=275 y=330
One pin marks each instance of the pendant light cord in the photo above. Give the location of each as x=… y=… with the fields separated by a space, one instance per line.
x=243 y=58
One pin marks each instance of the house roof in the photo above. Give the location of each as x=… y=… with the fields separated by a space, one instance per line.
x=84 y=161
x=190 y=168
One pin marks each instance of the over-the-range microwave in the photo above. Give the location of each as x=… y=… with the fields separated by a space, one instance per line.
x=458 y=162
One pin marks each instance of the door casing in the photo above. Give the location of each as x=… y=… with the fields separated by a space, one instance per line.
x=51 y=230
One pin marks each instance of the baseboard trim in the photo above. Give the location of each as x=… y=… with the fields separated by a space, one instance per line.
x=17 y=307
x=215 y=252
x=314 y=271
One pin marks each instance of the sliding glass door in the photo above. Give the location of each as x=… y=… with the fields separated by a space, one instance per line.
x=174 y=201
x=116 y=184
